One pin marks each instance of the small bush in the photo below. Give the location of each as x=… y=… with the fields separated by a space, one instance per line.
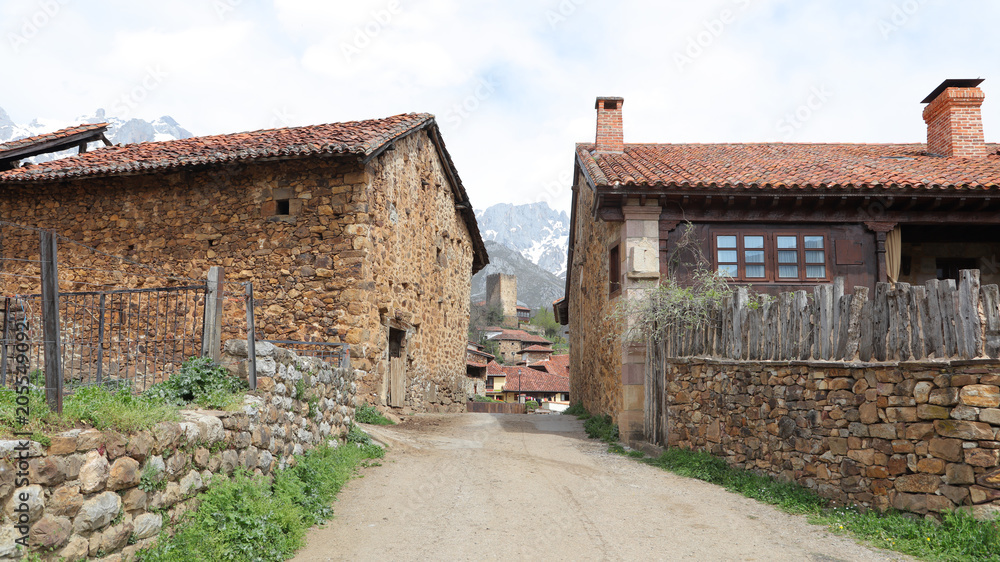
x=202 y=382
x=531 y=405
x=577 y=409
x=598 y=427
x=481 y=398
x=357 y=437
x=366 y=413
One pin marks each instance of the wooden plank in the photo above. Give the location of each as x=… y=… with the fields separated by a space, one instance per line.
x=803 y=311
x=892 y=325
x=880 y=321
x=784 y=326
x=50 y=320
x=825 y=302
x=397 y=382
x=990 y=295
x=725 y=348
x=903 y=327
x=251 y=339
x=211 y=333
x=843 y=319
x=968 y=306
x=933 y=332
x=949 y=310
x=918 y=315
x=858 y=300
x=838 y=293
x=866 y=339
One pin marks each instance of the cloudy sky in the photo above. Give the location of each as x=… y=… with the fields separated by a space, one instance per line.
x=512 y=83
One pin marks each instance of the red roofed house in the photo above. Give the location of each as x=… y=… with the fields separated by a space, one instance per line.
x=778 y=215
x=519 y=384
x=358 y=232
x=535 y=353
x=511 y=342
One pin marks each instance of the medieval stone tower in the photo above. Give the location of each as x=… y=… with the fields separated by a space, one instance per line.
x=501 y=292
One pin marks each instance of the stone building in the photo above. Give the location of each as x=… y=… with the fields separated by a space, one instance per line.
x=358 y=232
x=779 y=216
x=501 y=293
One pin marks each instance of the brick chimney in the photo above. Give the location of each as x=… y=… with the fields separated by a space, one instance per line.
x=954 y=123
x=609 y=125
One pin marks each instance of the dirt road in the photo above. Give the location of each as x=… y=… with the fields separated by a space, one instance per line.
x=519 y=487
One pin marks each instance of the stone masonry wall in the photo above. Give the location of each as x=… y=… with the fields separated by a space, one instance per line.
x=421 y=273
x=919 y=436
x=82 y=496
x=596 y=355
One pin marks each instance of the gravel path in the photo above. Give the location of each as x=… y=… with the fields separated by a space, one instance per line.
x=517 y=487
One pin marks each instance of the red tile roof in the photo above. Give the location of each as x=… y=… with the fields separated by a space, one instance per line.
x=521 y=336
x=53 y=136
x=793 y=166
x=356 y=137
x=555 y=364
x=537 y=348
x=526 y=379
x=494 y=368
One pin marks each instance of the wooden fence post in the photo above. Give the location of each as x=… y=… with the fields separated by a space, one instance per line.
x=968 y=313
x=50 y=321
x=211 y=334
x=251 y=341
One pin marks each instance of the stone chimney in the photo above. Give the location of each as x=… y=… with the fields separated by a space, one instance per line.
x=609 y=125
x=954 y=123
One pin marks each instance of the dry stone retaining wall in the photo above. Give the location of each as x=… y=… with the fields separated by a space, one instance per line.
x=916 y=436
x=83 y=497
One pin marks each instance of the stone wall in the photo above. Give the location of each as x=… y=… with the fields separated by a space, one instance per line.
x=421 y=274
x=916 y=436
x=595 y=353
x=84 y=496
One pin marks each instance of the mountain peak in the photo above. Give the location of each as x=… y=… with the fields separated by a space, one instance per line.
x=538 y=232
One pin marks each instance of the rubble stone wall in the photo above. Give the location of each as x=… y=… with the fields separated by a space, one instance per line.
x=596 y=351
x=918 y=436
x=83 y=495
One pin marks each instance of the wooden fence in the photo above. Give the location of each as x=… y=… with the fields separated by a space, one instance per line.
x=495 y=408
x=937 y=320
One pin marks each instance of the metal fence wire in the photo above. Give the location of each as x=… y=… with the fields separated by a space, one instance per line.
x=134 y=336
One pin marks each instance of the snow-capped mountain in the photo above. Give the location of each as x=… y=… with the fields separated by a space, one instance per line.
x=534 y=229
x=119 y=131
x=536 y=288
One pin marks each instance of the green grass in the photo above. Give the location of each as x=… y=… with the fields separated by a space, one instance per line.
x=957 y=537
x=577 y=409
x=252 y=518
x=365 y=413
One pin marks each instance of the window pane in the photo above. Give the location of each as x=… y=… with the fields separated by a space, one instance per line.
x=755 y=271
x=753 y=242
x=727 y=256
x=815 y=256
x=815 y=271
x=812 y=241
x=788 y=271
x=727 y=270
x=726 y=241
x=787 y=242
x=788 y=256
x=754 y=256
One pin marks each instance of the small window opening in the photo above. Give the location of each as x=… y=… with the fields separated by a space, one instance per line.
x=281 y=207
x=614 y=271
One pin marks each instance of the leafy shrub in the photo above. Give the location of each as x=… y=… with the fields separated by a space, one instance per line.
x=366 y=413
x=199 y=381
x=598 y=427
x=357 y=437
x=481 y=398
x=577 y=409
x=531 y=405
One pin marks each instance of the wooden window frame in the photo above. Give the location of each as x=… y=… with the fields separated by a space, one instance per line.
x=771 y=255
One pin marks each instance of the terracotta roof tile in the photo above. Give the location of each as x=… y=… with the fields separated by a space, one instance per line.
x=791 y=166
x=356 y=137
x=54 y=135
x=537 y=348
x=555 y=364
x=526 y=379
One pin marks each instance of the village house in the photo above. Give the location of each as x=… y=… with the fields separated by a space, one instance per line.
x=535 y=353
x=511 y=343
x=357 y=232
x=779 y=216
x=516 y=383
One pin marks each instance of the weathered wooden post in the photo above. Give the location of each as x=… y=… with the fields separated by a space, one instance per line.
x=211 y=334
x=50 y=321
x=251 y=340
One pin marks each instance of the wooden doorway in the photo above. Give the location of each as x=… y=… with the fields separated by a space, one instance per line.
x=397 y=367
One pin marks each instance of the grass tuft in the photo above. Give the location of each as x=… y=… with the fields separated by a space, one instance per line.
x=366 y=413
